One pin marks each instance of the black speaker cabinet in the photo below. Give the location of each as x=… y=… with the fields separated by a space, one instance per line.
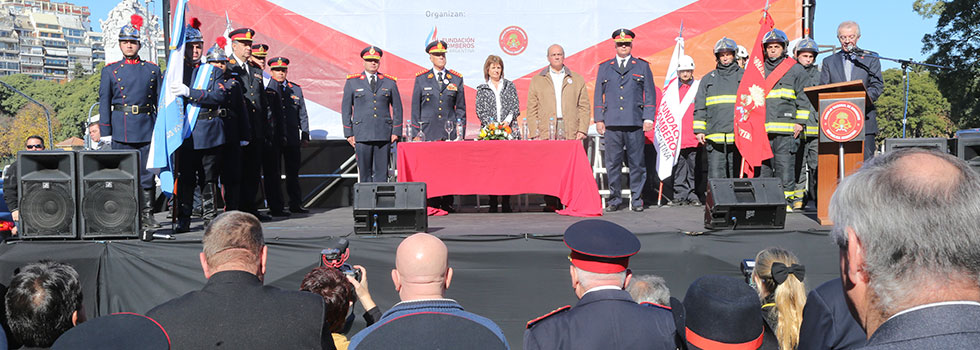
x=968 y=149
x=390 y=207
x=936 y=143
x=46 y=188
x=745 y=204
x=108 y=193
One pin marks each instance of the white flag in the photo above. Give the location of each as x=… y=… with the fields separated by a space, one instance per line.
x=670 y=113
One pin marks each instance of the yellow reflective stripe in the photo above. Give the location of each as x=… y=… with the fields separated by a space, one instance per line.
x=777 y=126
x=721 y=138
x=812 y=130
x=802 y=114
x=782 y=93
x=789 y=194
x=700 y=125
x=712 y=100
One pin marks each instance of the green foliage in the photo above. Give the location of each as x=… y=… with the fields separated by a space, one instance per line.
x=928 y=113
x=955 y=44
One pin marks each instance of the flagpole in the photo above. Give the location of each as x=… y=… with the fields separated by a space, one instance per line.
x=660 y=193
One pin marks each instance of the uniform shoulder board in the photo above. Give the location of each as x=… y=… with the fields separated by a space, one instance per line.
x=112 y=63
x=389 y=76
x=422 y=72
x=609 y=61
x=150 y=62
x=233 y=61
x=641 y=59
x=531 y=323
x=655 y=305
x=355 y=75
x=456 y=73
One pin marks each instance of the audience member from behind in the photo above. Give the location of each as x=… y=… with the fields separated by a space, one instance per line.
x=827 y=323
x=44 y=300
x=906 y=226
x=778 y=278
x=649 y=289
x=720 y=312
x=606 y=317
x=338 y=292
x=234 y=310
x=425 y=319
x=122 y=331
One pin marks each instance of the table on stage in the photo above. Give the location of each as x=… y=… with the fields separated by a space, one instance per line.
x=556 y=168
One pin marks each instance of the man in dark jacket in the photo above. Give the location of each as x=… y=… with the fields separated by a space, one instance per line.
x=11 y=193
x=295 y=126
x=846 y=65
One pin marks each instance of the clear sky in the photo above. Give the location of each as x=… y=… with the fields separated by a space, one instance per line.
x=889 y=27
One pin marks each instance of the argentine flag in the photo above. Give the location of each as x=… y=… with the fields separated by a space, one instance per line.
x=171 y=123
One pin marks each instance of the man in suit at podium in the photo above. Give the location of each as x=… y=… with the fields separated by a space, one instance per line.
x=852 y=63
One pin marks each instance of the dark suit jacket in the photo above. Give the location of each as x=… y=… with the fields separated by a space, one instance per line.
x=868 y=70
x=294 y=118
x=235 y=311
x=936 y=327
x=827 y=323
x=253 y=90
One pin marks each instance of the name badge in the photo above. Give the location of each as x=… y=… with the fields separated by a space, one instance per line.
x=257 y=75
x=358 y=90
x=427 y=88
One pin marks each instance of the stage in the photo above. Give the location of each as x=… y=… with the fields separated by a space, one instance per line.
x=509 y=267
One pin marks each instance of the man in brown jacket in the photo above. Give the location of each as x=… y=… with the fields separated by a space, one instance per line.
x=554 y=86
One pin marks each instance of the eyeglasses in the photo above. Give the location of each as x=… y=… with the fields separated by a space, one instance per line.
x=35 y=146
x=847 y=37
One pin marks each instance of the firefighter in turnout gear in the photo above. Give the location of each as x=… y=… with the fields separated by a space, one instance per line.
x=714 y=111
x=787 y=112
x=806 y=155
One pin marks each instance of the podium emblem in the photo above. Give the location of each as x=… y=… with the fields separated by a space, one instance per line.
x=842 y=121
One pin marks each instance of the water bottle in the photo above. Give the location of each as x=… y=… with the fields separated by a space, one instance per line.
x=551 y=128
x=561 y=129
x=460 y=129
x=523 y=130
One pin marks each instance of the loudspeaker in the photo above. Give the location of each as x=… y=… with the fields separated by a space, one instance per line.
x=936 y=143
x=390 y=207
x=968 y=149
x=46 y=187
x=745 y=204
x=108 y=193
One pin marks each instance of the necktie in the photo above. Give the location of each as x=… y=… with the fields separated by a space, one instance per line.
x=848 y=67
x=373 y=83
x=440 y=80
x=622 y=64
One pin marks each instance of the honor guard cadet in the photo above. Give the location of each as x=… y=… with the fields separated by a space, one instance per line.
x=249 y=77
x=128 y=92
x=295 y=126
x=625 y=105
x=371 y=111
x=787 y=111
x=714 y=111
x=259 y=53
x=201 y=152
x=806 y=155
x=605 y=317
x=438 y=101
x=237 y=129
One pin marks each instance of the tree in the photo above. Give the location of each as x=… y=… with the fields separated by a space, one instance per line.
x=928 y=113
x=955 y=44
x=29 y=121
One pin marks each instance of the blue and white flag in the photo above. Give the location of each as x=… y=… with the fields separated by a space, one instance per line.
x=202 y=76
x=171 y=124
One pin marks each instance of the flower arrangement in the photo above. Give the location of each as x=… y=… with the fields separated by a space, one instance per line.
x=495 y=131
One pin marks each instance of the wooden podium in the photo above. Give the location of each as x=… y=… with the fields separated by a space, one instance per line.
x=841 y=150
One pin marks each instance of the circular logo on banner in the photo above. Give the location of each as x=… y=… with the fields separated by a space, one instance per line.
x=841 y=121
x=513 y=40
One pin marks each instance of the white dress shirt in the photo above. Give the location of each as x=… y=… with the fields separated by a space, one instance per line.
x=496 y=96
x=556 y=78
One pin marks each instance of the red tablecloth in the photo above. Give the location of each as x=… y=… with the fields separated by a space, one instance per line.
x=557 y=168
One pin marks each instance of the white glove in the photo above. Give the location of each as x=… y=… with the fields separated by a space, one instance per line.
x=243 y=143
x=509 y=118
x=105 y=139
x=180 y=90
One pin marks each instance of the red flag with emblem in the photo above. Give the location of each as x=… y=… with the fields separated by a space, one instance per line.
x=750 y=106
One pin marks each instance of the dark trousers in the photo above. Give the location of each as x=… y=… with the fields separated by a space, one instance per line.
x=291 y=163
x=781 y=165
x=684 y=173
x=146 y=177
x=806 y=168
x=272 y=177
x=231 y=175
x=372 y=160
x=625 y=143
x=251 y=167
x=190 y=164
x=869 y=146
x=723 y=160
x=651 y=187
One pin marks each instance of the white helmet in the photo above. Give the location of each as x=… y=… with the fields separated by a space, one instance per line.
x=742 y=52
x=685 y=63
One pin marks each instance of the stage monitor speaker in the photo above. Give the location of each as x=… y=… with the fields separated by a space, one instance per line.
x=936 y=143
x=745 y=204
x=108 y=193
x=390 y=207
x=46 y=188
x=968 y=149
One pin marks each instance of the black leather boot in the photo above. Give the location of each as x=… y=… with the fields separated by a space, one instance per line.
x=208 y=209
x=146 y=210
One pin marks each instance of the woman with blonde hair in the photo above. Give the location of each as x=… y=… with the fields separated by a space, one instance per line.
x=778 y=278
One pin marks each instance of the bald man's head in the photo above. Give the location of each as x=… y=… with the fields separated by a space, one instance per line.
x=421 y=267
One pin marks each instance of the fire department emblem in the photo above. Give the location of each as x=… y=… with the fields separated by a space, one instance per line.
x=513 y=40
x=842 y=121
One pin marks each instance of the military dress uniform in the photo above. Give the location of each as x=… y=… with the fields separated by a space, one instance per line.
x=371 y=111
x=605 y=317
x=437 y=102
x=714 y=114
x=806 y=155
x=275 y=140
x=238 y=131
x=128 y=95
x=296 y=128
x=253 y=90
x=786 y=107
x=625 y=97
